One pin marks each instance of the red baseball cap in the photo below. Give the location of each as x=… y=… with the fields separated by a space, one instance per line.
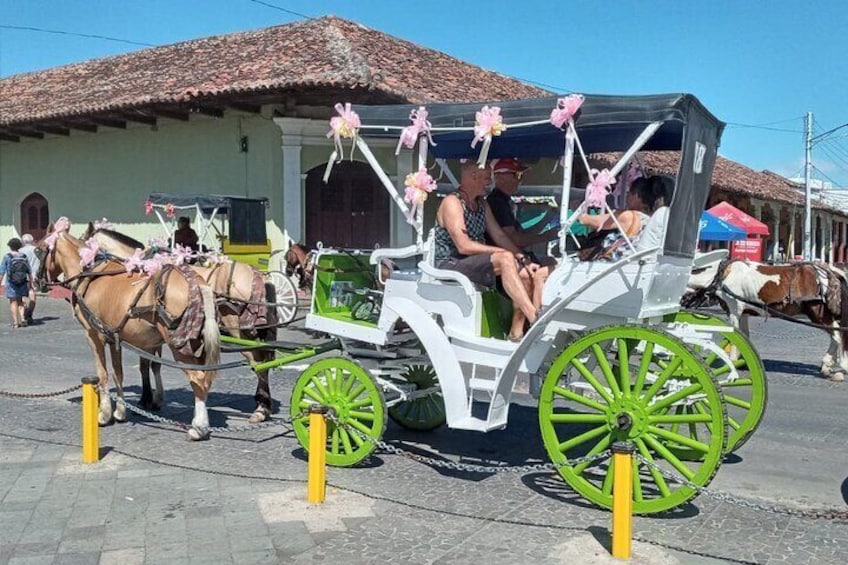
x=508 y=165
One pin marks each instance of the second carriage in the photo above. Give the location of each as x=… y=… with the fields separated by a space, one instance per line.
x=611 y=359
x=234 y=226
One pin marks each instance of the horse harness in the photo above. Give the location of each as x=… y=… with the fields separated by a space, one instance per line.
x=182 y=328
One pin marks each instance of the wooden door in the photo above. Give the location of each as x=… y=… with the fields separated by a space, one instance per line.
x=35 y=216
x=350 y=211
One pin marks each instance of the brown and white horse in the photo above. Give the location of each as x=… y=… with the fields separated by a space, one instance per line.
x=112 y=305
x=238 y=288
x=813 y=290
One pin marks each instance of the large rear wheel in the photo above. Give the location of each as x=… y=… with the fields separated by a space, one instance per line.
x=616 y=384
x=746 y=392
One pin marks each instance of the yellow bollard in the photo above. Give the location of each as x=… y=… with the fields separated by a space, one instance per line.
x=622 y=499
x=317 y=488
x=90 y=430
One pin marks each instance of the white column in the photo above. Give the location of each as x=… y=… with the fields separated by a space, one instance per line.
x=402 y=234
x=829 y=239
x=775 y=253
x=790 y=245
x=292 y=189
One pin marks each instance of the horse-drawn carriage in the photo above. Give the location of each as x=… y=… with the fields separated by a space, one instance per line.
x=611 y=358
x=234 y=226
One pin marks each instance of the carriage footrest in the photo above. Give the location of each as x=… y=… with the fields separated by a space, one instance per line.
x=487 y=385
x=476 y=424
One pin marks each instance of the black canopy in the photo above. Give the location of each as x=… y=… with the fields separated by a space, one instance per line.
x=604 y=124
x=207 y=202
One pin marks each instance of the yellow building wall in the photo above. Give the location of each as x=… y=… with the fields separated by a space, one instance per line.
x=88 y=176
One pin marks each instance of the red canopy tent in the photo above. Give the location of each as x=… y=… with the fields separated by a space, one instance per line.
x=738 y=218
x=750 y=248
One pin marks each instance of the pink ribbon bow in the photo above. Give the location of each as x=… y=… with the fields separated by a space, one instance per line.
x=153 y=265
x=418 y=186
x=345 y=125
x=89 y=253
x=180 y=255
x=170 y=211
x=420 y=125
x=597 y=189
x=488 y=123
x=59 y=226
x=565 y=109
x=134 y=261
x=148 y=207
x=103 y=224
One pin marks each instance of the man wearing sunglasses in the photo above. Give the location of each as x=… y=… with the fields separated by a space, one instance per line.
x=507 y=174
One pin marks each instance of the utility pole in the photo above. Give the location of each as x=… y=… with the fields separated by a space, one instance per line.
x=808 y=165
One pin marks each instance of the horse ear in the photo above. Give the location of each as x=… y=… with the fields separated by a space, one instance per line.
x=50 y=227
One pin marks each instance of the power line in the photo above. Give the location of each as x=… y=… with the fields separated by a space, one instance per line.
x=828 y=132
x=286 y=10
x=738 y=125
x=72 y=33
x=822 y=173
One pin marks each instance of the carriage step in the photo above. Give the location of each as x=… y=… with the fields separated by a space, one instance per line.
x=483 y=344
x=477 y=424
x=487 y=385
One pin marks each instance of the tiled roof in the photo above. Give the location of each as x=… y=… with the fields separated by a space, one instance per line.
x=327 y=52
x=731 y=177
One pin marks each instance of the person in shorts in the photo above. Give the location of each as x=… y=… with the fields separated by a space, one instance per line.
x=462 y=224
x=16 y=291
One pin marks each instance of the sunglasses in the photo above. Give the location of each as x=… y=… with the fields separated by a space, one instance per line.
x=516 y=174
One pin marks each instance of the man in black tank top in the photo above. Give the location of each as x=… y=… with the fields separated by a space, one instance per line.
x=460 y=248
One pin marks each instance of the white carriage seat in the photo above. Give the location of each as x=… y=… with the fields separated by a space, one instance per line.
x=382 y=256
x=431 y=273
x=653 y=234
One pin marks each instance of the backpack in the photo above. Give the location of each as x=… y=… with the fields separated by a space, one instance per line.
x=18 y=270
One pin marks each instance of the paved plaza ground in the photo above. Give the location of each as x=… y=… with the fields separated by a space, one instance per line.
x=240 y=498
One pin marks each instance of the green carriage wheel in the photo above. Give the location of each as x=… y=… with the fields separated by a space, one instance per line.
x=425 y=413
x=607 y=386
x=354 y=399
x=745 y=398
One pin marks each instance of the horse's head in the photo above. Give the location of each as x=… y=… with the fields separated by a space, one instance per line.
x=58 y=253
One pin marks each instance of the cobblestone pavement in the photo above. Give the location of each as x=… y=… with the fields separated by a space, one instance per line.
x=156 y=498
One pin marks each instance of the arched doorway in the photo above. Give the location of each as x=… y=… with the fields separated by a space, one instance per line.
x=35 y=215
x=351 y=210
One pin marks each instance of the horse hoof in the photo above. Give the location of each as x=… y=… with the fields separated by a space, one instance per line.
x=102 y=422
x=837 y=377
x=259 y=416
x=195 y=434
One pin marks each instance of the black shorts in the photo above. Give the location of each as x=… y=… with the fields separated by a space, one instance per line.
x=478 y=268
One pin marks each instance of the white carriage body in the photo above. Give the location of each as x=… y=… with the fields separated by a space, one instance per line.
x=446 y=312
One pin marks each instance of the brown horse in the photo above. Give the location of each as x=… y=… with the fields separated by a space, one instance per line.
x=113 y=305
x=813 y=290
x=239 y=288
x=300 y=262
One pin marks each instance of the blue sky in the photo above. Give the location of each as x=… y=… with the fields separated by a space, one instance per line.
x=762 y=64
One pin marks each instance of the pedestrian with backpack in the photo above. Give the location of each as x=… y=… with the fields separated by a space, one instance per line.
x=18 y=280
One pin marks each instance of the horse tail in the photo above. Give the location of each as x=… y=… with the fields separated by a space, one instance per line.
x=211 y=333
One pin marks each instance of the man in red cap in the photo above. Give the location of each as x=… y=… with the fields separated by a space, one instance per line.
x=507 y=175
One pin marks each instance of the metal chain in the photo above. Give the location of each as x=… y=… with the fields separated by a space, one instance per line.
x=831 y=514
x=467 y=467
x=39 y=394
x=219 y=430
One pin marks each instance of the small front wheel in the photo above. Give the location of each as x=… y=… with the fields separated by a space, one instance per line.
x=355 y=401
x=285 y=297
